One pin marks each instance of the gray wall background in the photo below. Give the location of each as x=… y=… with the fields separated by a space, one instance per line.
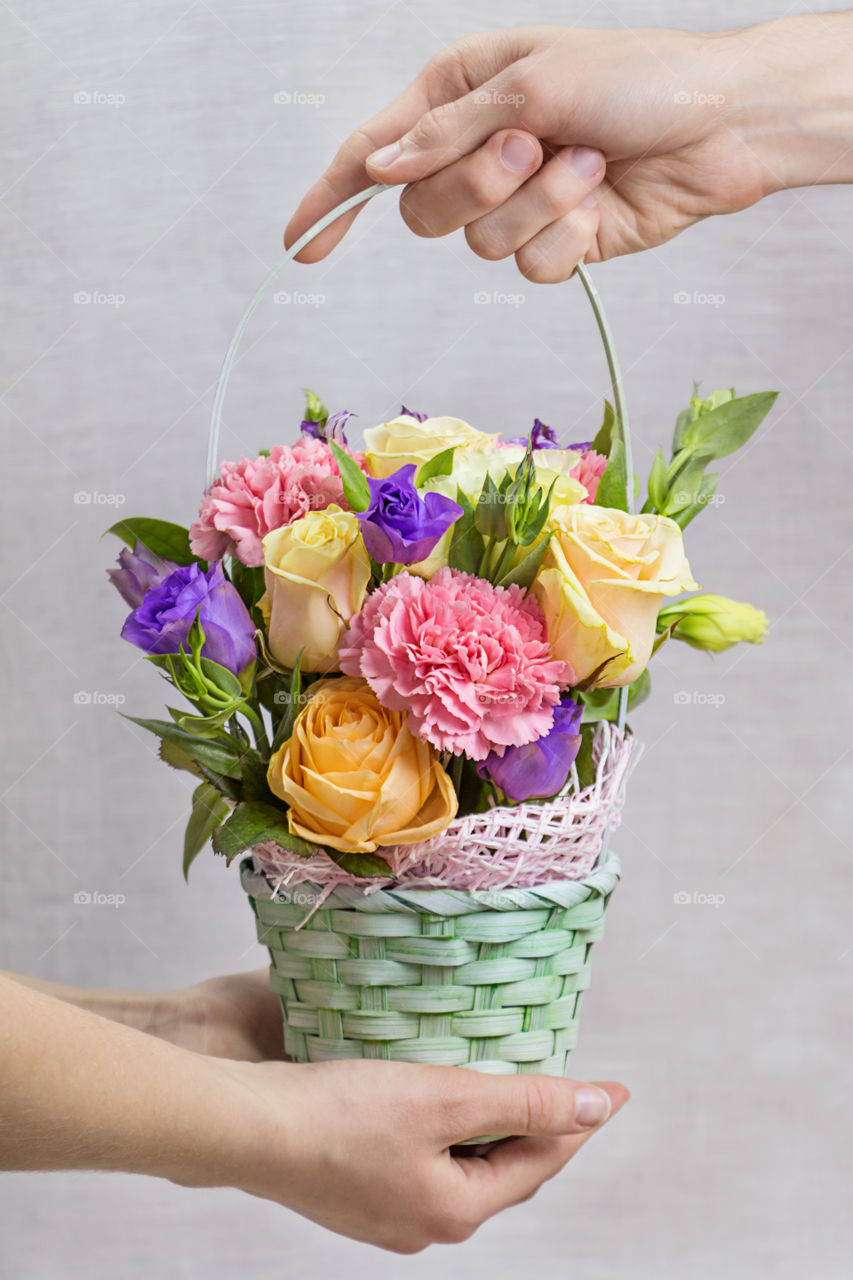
x=730 y=1023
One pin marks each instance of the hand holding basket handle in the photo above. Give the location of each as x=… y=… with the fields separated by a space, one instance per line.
x=558 y=144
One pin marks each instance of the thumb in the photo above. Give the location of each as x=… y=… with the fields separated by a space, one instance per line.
x=452 y=130
x=531 y=1105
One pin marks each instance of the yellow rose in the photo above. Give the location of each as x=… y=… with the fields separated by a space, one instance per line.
x=393 y=444
x=603 y=579
x=355 y=777
x=316 y=572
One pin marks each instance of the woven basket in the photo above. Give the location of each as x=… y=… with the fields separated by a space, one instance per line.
x=485 y=979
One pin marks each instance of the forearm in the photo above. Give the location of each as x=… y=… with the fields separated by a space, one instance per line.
x=80 y=1092
x=138 y=1009
x=791 y=96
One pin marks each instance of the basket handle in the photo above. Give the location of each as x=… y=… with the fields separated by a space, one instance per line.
x=361 y=197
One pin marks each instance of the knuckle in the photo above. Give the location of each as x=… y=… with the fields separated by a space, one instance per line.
x=537 y=267
x=416 y=214
x=428 y=133
x=487 y=241
x=558 y=190
x=480 y=185
x=538 y=1098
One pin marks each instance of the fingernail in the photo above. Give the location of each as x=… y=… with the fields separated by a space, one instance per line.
x=519 y=152
x=590 y=201
x=586 y=161
x=592 y=1106
x=385 y=156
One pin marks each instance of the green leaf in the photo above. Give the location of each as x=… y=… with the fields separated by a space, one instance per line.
x=525 y=571
x=603 y=441
x=684 y=490
x=208 y=811
x=613 y=486
x=175 y=756
x=251 y=824
x=171 y=541
x=361 y=864
x=490 y=511
x=285 y=725
x=584 y=762
x=603 y=704
x=466 y=544
x=722 y=430
x=356 y=488
x=221 y=757
x=249 y=581
x=255 y=785
x=439 y=465
x=706 y=491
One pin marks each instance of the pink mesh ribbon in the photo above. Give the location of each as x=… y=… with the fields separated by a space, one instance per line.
x=513 y=846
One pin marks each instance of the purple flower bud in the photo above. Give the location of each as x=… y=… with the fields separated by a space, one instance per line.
x=421 y=417
x=138 y=571
x=331 y=428
x=540 y=769
x=161 y=623
x=402 y=526
x=541 y=437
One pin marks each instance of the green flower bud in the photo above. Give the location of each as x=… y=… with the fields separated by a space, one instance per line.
x=714 y=622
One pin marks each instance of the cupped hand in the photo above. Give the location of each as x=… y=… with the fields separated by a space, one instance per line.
x=555 y=144
x=364 y=1147
x=234 y=1016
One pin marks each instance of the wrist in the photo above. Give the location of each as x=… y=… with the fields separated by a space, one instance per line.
x=788 y=97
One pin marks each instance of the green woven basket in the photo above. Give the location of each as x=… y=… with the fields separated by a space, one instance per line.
x=490 y=980
x=487 y=980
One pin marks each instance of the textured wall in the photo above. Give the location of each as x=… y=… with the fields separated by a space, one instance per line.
x=165 y=189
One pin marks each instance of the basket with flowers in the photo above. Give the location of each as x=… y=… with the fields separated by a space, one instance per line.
x=407 y=671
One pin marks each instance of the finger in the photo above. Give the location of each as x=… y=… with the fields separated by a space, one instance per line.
x=553 y=254
x=346 y=174
x=473 y=186
x=450 y=74
x=455 y=129
x=513 y=1171
x=551 y=193
x=539 y=1106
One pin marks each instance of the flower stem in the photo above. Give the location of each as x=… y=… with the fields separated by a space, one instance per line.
x=258 y=729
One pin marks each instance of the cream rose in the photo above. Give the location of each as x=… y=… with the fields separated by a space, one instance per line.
x=601 y=584
x=316 y=572
x=393 y=444
x=355 y=777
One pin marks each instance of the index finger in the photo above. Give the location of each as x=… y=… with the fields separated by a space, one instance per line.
x=450 y=75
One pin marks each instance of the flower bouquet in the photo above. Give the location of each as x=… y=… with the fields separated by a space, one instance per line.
x=406 y=671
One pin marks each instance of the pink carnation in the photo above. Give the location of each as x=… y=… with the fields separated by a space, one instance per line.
x=468 y=661
x=589 y=471
x=257 y=495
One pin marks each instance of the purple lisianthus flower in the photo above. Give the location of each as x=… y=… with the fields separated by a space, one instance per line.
x=138 y=571
x=402 y=526
x=540 y=769
x=161 y=623
x=582 y=447
x=541 y=437
x=421 y=417
x=331 y=428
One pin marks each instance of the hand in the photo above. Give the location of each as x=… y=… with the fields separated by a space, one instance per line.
x=363 y=1148
x=509 y=133
x=236 y=1016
